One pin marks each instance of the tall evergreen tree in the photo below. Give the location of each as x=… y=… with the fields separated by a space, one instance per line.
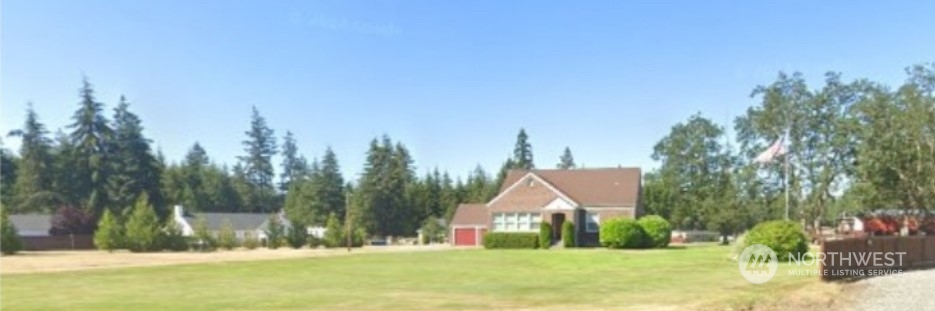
x=8 y=168
x=501 y=176
x=260 y=147
x=384 y=203
x=35 y=173
x=194 y=172
x=331 y=186
x=303 y=200
x=134 y=168
x=91 y=137
x=522 y=152
x=294 y=166
x=450 y=196
x=566 y=161
x=478 y=185
x=65 y=175
x=402 y=177
x=245 y=190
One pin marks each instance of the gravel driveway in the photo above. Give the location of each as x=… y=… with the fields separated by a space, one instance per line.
x=912 y=290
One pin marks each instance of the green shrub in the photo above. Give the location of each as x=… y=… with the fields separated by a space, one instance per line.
x=568 y=234
x=227 y=237
x=511 y=240
x=109 y=233
x=358 y=239
x=621 y=233
x=657 y=229
x=783 y=236
x=334 y=232
x=275 y=232
x=9 y=238
x=314 y=242
x=297 y=236
x=172 y=238
x=251 y=241
x=143 y=231
x=545 y=235
x=202 y=234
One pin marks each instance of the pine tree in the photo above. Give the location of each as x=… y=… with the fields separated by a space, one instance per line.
x=203 y=234
x=227 y=238
x=501 y=176
x=260 y=147
x=275 y=232
x=143 y=227
x=8 y=168
x=91 y=137
x=566 y=161
x=297 y=235
x=330 y=186
x=35 y=172
x=334 y=232
x=374 y=202
x=478 y=185
x=245 y=190
x=109 y=233
x=9 y=238
x=134 y=169
x=294 y=166
x=522 y=152
x=64 y=162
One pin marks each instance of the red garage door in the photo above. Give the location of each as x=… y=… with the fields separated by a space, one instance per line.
x=466 y=236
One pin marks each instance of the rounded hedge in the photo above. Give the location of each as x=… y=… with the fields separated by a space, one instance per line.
x=657 y=229
x=621 y=233
x=783 y=236
x=545 y=235
x=568 y=234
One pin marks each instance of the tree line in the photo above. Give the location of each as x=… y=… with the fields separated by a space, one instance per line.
x=99 y=164
x=852 y=146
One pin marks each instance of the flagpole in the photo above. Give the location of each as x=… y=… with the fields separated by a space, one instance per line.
x=786 y=182
x=786 y=168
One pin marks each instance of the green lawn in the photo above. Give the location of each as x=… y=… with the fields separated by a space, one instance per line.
x=694 y=277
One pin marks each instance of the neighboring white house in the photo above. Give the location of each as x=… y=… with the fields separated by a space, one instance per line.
x=244 y=224
x=31 y=224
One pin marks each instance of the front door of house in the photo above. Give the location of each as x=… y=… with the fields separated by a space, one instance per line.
x=558 y=219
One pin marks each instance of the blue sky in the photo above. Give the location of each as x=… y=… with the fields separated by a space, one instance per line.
x=454 y=81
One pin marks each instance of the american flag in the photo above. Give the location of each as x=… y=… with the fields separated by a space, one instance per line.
x=775 y=150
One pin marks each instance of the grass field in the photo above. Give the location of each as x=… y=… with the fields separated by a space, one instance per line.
x=671 y=279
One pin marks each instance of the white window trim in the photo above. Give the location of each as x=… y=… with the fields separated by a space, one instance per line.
x=516 y=221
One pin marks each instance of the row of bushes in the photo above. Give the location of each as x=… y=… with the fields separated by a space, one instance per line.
x=647 y=232
x=511 y=240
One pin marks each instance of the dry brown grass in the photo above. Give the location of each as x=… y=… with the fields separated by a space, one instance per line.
x=54 y=261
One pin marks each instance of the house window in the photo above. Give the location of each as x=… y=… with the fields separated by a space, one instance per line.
x=516 y=221
x=499 y=223
x=593 y=222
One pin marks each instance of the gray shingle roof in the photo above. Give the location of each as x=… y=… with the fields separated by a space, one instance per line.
x=31 y=222
x=240 y=221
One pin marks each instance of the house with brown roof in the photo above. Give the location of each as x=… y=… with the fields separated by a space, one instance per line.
x=585 y=197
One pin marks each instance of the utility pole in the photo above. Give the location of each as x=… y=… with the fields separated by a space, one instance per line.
x=347 y=218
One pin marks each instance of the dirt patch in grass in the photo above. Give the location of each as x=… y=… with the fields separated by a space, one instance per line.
x=55 y=261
